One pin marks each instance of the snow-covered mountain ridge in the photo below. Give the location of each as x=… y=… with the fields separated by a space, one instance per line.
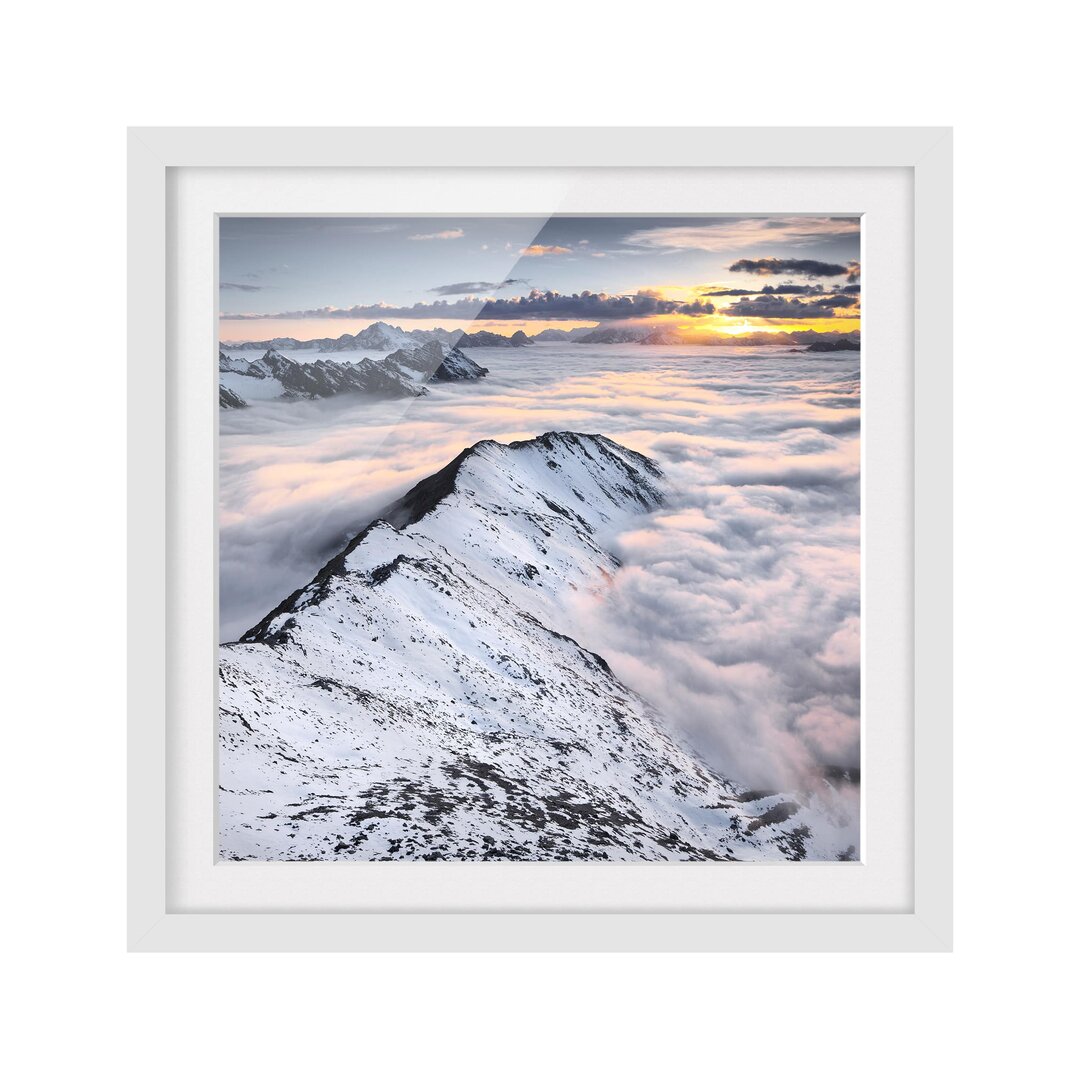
x=418 y=699
x=400 y=374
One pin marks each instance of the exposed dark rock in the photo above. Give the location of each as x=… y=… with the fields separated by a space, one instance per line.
x=228 y=400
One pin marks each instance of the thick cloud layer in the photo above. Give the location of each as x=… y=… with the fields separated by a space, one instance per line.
x=776 y=307
x=787 y=289
x=737 y=608
x=805 y=267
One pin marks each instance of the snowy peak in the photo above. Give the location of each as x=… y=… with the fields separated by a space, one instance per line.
x=587 y=479
x=611 y=335
x=485 y=339
x=526 y=517
x=382 y=337
x=457 y=366
x=534 y=517
x=661 y=337
x=437 y=362
x=554 y=334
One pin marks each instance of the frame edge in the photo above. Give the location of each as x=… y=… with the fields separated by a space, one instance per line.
x=146 y=538
x=152 y=928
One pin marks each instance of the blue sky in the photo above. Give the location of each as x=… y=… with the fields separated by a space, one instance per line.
x=316 y=276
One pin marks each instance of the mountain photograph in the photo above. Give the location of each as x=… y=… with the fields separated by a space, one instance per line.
x=513 y=566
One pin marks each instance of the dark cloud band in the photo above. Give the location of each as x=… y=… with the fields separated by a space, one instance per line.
x=802 y=267
x=776 y=307
x=470 y=288
x=782 y=290
x=536 y=305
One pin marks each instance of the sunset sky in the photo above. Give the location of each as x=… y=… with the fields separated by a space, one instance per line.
x=323 y=277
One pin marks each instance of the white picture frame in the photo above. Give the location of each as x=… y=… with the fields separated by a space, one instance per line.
x=179 y=900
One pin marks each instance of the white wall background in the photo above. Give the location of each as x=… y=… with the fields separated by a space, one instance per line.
x=75 y=75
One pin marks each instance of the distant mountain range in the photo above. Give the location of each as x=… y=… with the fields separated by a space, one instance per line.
x=382 y=337
x=611 y=335
x=797 y=337
x=553 y=334
x=484 y=339
x=421 y=697
x=402 y=373
x=841 y=344
x=378 y=337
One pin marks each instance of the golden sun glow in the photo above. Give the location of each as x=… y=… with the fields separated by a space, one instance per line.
x=735 y=329
x=729 y=326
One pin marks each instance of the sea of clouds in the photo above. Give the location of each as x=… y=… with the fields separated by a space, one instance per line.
x=736 y=611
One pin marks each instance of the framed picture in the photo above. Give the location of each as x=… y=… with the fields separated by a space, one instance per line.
x=540 y=539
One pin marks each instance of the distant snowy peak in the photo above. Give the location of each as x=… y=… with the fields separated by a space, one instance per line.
x=555 y=334
x=230 y=363
x=842 y=344
x=483 y=339
x=661 y=337
x=612 y=335
x=456 y=365
x=437 y=362
x=382 y=337
x=444 y=337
